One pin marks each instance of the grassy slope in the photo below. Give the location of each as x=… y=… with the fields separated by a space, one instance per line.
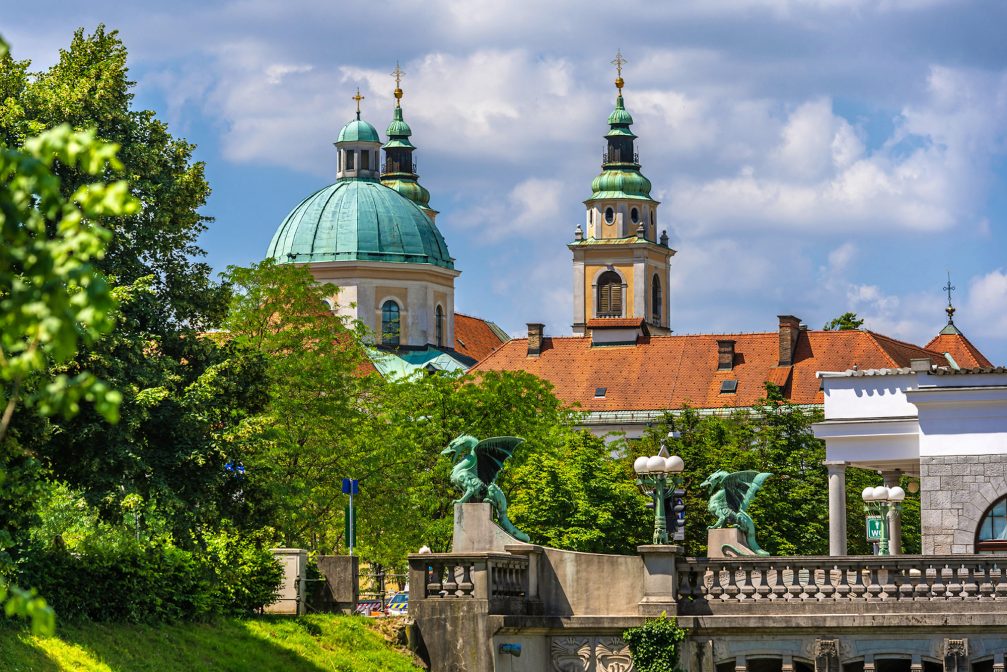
x=307 y=644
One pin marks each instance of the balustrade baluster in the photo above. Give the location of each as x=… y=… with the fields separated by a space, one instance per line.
x=747 y=587
x=942 y=576
x=434 y=583
x=794 y=590
x=811 y=585
x=843 y=590
x=1000 y=587
x=716 y=589
x=972 y=572
x=955 y=585
x=827 y=586
x=465 y=586
x=761 y=587
x=873 y=582
x=731 y=592
x=779 y=584
x=909 y=579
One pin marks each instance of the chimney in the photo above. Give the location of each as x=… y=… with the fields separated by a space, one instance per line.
x=790 y=327
x=725 y=355
x=535 y=338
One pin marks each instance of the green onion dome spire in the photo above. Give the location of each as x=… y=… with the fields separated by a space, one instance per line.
x=620 y=176
x=399 y=170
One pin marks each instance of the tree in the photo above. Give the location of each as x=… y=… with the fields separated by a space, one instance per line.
x=581 y=498
x=845 y=322
x=791 y=509
x=52 y=299
x=167 y=448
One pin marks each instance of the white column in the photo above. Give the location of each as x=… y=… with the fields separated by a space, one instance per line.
x=894 y=520
x=837 y=507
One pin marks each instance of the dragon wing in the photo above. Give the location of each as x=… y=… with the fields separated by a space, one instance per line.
x=741 y=486
x=491 y=455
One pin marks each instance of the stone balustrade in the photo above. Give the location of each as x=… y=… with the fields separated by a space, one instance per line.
x=470 y=575
x=810 y=584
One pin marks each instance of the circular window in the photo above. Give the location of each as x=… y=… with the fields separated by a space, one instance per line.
x=634 y=214
x=609 y=215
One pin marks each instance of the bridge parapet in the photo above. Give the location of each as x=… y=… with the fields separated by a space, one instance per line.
x=854 y=584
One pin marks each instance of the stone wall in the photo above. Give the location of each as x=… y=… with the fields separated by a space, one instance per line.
x=955 y=492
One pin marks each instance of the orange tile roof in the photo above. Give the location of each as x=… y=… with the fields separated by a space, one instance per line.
x=475 y=337
x=667 y=372
x=961 y=350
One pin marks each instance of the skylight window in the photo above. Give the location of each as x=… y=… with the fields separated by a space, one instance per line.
x=728 y=386
x=599 y=392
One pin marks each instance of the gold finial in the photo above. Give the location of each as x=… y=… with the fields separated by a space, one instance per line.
x=358 y=98
x=397 y=74
x=619 y=60
x=950 y=310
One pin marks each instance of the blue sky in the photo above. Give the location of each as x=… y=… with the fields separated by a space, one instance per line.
x=811 y=157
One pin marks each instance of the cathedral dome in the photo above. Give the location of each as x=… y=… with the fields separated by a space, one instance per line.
x=358 y=130
x=620 y=184
x=359 y=220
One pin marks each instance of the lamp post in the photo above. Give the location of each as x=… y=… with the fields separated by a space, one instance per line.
x=879 y=501
x=653 y=475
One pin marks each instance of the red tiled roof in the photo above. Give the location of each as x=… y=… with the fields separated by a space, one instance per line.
x=961 y=350
x=477 y=338
x=667 y=372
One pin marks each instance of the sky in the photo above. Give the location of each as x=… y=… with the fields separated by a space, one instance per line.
x=811 y=157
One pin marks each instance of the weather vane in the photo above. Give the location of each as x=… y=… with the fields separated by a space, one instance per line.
x=618 y=62
x=358 y=98
x=950 y=310
x=397 y=74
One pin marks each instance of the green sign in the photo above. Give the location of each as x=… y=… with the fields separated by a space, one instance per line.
x=874 y=527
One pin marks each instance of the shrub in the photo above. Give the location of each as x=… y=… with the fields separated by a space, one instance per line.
x=655 y=644
x=246 y=576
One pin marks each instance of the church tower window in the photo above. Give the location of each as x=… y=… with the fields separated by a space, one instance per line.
x=610 y=295
x=349 y=160
x=365 y=160
x=439 y=320
x=391 y=325
x=656 y=299
x=609 y=215
x=634 y=214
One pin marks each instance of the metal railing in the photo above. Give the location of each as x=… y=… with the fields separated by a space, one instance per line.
x=398 y=167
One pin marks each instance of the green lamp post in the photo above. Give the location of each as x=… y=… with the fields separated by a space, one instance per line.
x=879 y=501
x=654 y=476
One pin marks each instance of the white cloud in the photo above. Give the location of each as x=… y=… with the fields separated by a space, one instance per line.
x=986 y=306
x=276 y=72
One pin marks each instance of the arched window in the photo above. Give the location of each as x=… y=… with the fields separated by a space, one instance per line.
x=634 y=215
x=991 y=536
x=609 y=215
x=609 y=295
x=391 y=326
x=656 y=300
x=439 y=324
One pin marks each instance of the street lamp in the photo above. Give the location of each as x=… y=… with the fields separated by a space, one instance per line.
x=653 y=474
x=879 y=501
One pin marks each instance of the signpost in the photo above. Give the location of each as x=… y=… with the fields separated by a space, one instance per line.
x=875 y=530
x=351 y=486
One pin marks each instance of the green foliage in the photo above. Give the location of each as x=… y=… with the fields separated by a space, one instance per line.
x=655 y=645
x=845 y=322
x=579 y=497
x=246 y=576
x=180 y=392
x=791 y=509
x=265 y=644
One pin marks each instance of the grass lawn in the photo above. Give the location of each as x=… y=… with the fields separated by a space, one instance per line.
x=261 y=644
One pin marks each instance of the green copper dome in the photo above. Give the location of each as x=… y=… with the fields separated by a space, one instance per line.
x=358 y=130
x=359 y=220
x=621 y=184
x=411 y=189
x=620 y=116
x=398 y=131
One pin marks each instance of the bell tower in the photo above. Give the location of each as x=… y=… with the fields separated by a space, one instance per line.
x=620 y=264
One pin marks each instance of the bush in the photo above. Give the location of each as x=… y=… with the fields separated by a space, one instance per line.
x=655 y=644
x=155 y=582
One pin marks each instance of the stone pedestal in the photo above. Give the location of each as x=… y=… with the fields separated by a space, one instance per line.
x=726 y=535
x=340 y=589
x=659 y=579
x=475 y=531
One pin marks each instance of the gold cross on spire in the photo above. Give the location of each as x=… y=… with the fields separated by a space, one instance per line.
x=618 y=62
x=397 y=74
x=358 y=98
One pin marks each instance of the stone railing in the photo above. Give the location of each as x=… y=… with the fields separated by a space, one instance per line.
x=809 y=584
x=471 y=575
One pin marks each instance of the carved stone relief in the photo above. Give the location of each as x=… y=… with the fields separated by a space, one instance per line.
x=590 y=654
x=956 y=655
x=827 y=655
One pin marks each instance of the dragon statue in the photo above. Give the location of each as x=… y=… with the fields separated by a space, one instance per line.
x=476 y=473
x=730 y=495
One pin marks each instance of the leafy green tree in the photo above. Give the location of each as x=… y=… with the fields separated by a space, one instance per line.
x=582 y=498
x=167 y=449
x=306 y=438
x=52 y=299
x=791 y=509
x=845 y=322
x=656 y=645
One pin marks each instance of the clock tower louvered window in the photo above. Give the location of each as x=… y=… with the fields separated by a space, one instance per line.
x=610 y=295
